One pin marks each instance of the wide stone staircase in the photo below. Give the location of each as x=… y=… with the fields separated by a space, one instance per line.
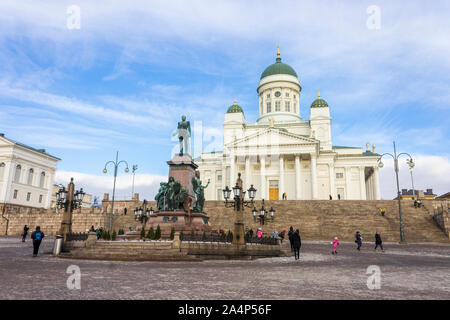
x=324 y=219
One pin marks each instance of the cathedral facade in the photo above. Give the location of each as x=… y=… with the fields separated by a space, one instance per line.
x=283 y=154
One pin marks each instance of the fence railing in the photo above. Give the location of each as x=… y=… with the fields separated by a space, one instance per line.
x=262 y=240
x=214 y=237
x=76 y=236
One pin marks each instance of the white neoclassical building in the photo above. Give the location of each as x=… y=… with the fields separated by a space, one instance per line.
x=26 y=174
x=283 y=153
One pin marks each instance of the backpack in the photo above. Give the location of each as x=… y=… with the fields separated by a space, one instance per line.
x=38 y=236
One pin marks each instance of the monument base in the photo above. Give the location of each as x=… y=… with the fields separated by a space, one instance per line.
x=180 y=220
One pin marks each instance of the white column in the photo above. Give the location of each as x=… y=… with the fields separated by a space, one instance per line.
x=332 y=185
x=280 y=194
x=376 y=183
x=224 y=178
x=348 y=173
x=247 y=181
x=362 y=183
x=233 y=176
x=262 y=161
x=314 y=176
x=10 y=168
x=298 y=179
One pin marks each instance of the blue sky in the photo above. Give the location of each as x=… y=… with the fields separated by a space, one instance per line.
x=122 y=81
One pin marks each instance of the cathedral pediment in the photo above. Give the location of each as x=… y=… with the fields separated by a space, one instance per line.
x=271 y=137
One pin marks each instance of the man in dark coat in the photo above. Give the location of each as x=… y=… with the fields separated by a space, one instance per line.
x=296 y=243
x=378 y=241
x=290 y=234
x=25 y=232
x=37 y=237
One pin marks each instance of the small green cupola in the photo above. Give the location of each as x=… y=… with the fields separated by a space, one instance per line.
x=319 y=102
x=235 y=108
x=278 y=68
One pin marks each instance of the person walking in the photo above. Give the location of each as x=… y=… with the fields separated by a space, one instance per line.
x=335 y=245
x=296 y=244
x=358 y=240
x=290 y=234
x=37 y=237
x=378 y=241
x=25 y=232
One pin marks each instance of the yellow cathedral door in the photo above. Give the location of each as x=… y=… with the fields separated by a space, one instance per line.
x=273 y=190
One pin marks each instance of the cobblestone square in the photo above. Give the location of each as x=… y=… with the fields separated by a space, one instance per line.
x=413 y=271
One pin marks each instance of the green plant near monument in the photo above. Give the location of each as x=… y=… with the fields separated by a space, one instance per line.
x=204 y=236
x=230 y=236
x=114 y=235
x=151 y=234
x=192 y=234
x=172 y=233
x=181 y=236
x=142 y=233
x=158 y=233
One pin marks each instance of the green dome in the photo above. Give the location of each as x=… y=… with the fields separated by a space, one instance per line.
x=319 y=103
x=235 y=108
x=279 y=68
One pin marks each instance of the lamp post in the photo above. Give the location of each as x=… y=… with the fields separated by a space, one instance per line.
x=133 y=170
x=410 y=162
x=263 y=214
x=239 y=203
x=143 y=214
x=116 y=165
x=69 y=200
x=411 y=166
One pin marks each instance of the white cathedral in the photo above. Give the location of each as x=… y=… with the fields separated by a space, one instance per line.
x=281 y=153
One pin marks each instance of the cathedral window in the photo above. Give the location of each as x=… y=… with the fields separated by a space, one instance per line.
x=269 y=107
x=339 y=175
x=277 y=105
x=287 y=106
x=287 y=94
x=2 y=170
x=17 y=173
x=42 y=180
x=295 y=107
x=30 y=176
x=268 y=95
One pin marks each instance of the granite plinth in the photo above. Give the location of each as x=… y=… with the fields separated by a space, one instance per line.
x=182 y=168
x=179 y=220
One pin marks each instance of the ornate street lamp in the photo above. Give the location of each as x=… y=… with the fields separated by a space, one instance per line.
x=396 y=156
x=116 y=165
x=69 y=200
x=411 y=165
x=239 y=203
x=263 y=214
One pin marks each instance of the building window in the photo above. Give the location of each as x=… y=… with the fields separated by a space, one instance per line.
x=294 y=96
x=15 y=194
x=268 y=95
x=42 y=180
x=17 y=173
x=295 y=107
x=269 y=107
x=28 y=196
x=339 y=175
x=40 y=200
x=30 y=176
x=277 y=105
x=287 y=106
x=287 y=94
x=219 y=177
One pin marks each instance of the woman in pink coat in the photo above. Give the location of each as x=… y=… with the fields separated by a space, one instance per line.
x=259 y=233
x=335 y=245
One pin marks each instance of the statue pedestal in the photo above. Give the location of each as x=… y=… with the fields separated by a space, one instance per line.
x=182 y=168
x=181 y=221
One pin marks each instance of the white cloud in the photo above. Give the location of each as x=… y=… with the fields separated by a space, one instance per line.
x=430 y=172
x=145 y=184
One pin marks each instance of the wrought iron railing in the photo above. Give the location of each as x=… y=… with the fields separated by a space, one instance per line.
x=76 y=236
x=207 y=237
x=262 y=240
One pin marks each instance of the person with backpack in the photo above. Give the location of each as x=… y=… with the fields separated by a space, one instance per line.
x=25 y=232
x=358 y=240
x=296 y=243
x=37 y=237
